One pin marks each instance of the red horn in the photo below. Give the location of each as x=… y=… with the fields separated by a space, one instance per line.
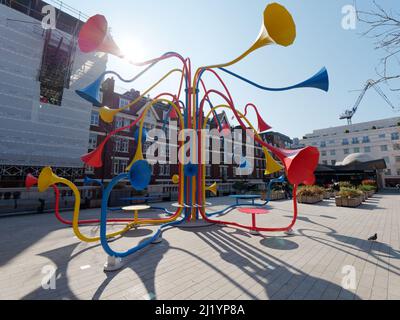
x=30 y=181
x=94 y=158
x=300 y=164
x=94 y=36
x=173 y=114
x=262 y=125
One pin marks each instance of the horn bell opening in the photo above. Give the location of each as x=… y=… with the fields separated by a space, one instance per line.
x=45 y=179
x=93 y=33
x=140 y=175
x=279 y=24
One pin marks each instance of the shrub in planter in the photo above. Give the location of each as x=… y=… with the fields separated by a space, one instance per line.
x=370 y=186
x=367 y=189
x=368 y=182
x=345 y=184
x=310 y=194
x=349 y=197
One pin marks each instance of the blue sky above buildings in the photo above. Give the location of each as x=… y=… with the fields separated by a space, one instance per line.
x=210 y=31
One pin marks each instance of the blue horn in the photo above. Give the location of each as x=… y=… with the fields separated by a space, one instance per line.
x=318 y=81
x=140 y=175
x=92 y=92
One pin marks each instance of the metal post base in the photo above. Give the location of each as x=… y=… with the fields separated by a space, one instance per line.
x=158 y=240
x=113 y=264
x=290 y=232
x=255 y=233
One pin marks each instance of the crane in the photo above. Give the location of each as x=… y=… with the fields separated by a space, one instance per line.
x=348 y=114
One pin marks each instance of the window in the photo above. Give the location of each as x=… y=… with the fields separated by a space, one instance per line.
x=121 y=145
x=323 y=153
x=208 y=171
x=94 y=118
x=367 y=149
x=325 y=162
x=346 y=151
x=89 y=170
x=366 y=139
x=167 y=170
x=397 y=159
x=333 y=152
x=396 y=146
x=323 y=144
x=127 y=122
x=395 y=136
x=123 y=102
x=119 y=122
x=332 y=142
x=388 y=172
x=345 y=142
x=119 y=166
x=333 y=162
x=355 y=141
x=356 y=150
x=92 y=141
x=101 y=96
x=56 y=69
x=162 y=171
x=384 y=148
x=382 y=136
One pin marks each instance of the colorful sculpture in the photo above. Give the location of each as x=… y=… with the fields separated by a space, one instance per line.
x=278 y=28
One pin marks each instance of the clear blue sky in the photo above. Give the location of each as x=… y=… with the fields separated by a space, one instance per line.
x=210 y=31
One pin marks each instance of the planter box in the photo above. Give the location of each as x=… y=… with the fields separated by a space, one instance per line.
x=309 y=200
x=328 y=195
x=277 y=195
x=364 y=197
x=348 y=202
x=371 y=193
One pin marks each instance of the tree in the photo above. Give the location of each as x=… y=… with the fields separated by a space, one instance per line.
x=384 y=28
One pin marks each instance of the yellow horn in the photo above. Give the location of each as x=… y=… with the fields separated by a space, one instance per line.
x=107 y=114
x=138 y=155
x=278 y=28
x=272 y=165
x=213 y=188
x=175 y=179
x=47 y=178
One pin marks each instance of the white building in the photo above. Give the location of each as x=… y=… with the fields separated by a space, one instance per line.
x=42 y=120
x=378 y=139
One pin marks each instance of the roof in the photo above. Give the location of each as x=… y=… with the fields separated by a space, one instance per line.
x=356 y=157
x=354 y=166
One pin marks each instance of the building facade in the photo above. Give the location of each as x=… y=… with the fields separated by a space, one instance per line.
x=378 y=139
x=42 y=120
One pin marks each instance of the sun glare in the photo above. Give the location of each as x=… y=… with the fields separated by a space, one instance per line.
x=133 y=50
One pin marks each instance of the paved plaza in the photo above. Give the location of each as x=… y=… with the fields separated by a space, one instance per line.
x=214 y=262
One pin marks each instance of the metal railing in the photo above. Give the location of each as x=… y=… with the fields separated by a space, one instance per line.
x=61 y=8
